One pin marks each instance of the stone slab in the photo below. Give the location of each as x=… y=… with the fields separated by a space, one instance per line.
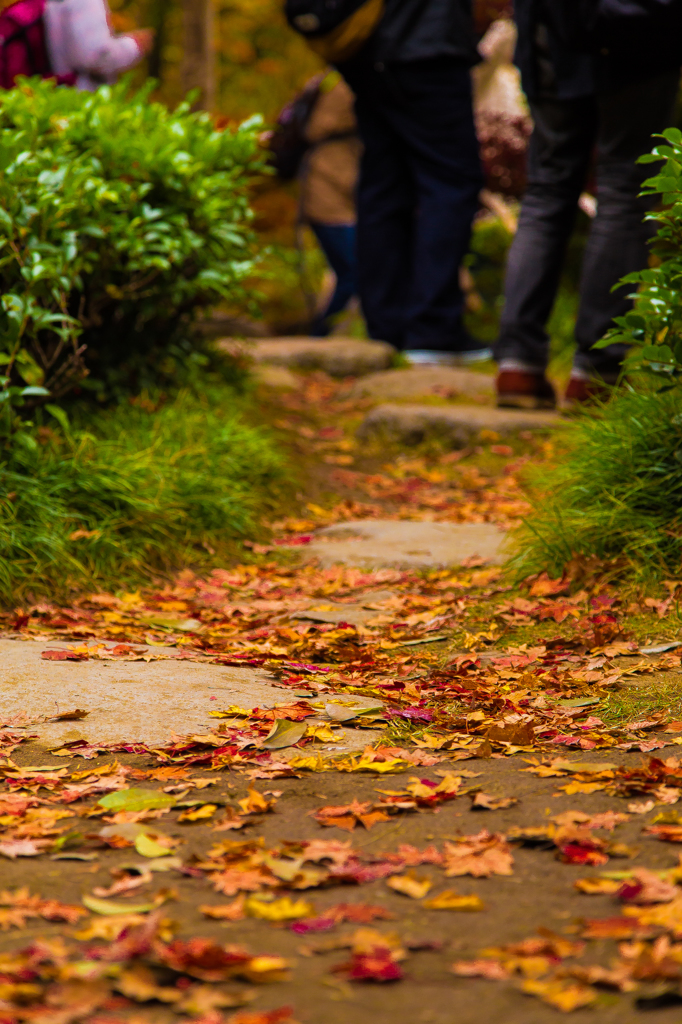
x=277 y=377
x=391 y=543
x=417 y=381
x=339 y=357
x=357 y=613
x=132 y=701
x=457 y=425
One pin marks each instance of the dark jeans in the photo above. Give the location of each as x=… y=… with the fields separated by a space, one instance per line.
x=417 y=197
x=620 y=124
x=339 y=244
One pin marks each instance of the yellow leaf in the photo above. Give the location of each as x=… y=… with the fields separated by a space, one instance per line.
x=109 y=928
x=563 y=995
x=283 y=909
x=409 y=885
x=232 y=712
x=198 y=813
x=313 y=763
x=598 y=886
x=323 y=733
x=263 y=969
x=451 y=900
x=582 y=787
x=256 y=803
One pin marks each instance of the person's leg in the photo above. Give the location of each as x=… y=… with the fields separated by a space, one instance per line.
x=338 y=242
x=617 y=244
x=558 y=161
x=386 y=202
x=430 y=110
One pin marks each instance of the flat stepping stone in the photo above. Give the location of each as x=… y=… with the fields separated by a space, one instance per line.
x=418 y=381
x=356 y=614
x=401 y=544
x=135 y=701
x=456 y=425
x=277 y=377
x=339 y=357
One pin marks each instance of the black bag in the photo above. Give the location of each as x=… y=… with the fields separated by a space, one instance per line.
x=335 y=29
x=288 y=141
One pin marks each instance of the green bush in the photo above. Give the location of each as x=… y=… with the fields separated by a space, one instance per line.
x=140 y=488
x=654 y=327
x=118 y=218
x=614 y=492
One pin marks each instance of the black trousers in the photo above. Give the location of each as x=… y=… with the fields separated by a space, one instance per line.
x=620 y=125
x=417 y=198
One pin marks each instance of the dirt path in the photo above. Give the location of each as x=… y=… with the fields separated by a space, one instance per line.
x=429 y=805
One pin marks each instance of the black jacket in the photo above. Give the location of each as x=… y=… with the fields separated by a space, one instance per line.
x=597 y=45
x=419 y=29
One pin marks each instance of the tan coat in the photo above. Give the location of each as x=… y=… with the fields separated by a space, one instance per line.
x=330 y=171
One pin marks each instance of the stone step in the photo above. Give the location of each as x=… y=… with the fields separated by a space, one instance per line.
x=136 y=701
x=419 y=381
x=339 y=357
x=456 y=425
x=401 y=544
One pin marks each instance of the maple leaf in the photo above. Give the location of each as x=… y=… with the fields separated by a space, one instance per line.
x=328 y=849
x=347 y=816
x=493 y=970
x=481 y=801
x=479 y=855
x=13 y=848
x=227 y=911
x=451 y=900
x=203 y=959
x=561 y=994
x=233 y=880
x=647 y=887
x=375 y=957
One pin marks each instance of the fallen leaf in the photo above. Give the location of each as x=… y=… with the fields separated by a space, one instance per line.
x=135 y=800
x=282 y=909
x=227 y=911
x=148 y=846
x=71 y=716
x=257 y=803
x=493 y=970
x=562 y=995
x=109 y=908
x=284 y=734
x=481 y=801
x=480 y=855
x=198 y=813
x=598 y=886
x=409 y=885
x=451 y=900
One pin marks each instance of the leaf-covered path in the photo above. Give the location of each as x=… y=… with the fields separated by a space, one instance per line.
x=458 y=804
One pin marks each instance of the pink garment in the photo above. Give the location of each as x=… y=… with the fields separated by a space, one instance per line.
x=80 y=41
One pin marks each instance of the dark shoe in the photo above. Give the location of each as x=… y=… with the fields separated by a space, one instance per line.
x=524 y=389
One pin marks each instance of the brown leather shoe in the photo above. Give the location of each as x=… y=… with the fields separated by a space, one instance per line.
x=585 y=391
x=524 y=389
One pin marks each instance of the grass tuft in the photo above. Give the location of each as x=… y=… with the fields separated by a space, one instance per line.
x=614 y=493
x=137 y=490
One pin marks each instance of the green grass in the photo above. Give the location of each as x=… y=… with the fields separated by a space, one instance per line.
x=635 y=702
x=614 y=493
x=136 y=490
